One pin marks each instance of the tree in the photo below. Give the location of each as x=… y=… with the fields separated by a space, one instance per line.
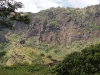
x=86 y=62
x=2 y=54
x=8 y=13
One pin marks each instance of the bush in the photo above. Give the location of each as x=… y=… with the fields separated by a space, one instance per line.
x=42 y=55
x=86 y=62
x=2 y=54
x=49 y=56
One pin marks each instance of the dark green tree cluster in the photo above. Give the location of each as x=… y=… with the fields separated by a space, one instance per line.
x=86 y=62
x=7 y=7
x=2 y=54
x=20 y=18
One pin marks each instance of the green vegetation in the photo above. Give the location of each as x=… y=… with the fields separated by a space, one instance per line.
x=26 y=69
x=21 y=18
x=95 y=27
x=8 y=14
x=2 y=54
x=86 y=62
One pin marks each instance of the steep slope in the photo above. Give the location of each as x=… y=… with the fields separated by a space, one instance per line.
x=52 y=34
x=66 y=25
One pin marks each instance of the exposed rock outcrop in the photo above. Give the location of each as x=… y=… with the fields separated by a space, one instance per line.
x=2 y=37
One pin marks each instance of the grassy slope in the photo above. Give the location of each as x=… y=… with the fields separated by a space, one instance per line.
x=39 y=54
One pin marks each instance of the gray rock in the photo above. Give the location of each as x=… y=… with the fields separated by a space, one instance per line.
x=2 y=37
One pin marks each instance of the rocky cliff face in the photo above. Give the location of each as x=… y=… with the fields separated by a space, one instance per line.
x=2 y=37
x=65 y=25
x=61 y=25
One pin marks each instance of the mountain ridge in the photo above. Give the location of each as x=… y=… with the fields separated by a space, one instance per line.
x=52 y=34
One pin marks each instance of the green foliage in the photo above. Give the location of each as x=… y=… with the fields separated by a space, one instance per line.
x=2 y=54
x=25 y=19
x=26 y=69
x=95 y=27
x=57 y=51
x=49 y=56
x=42 y=55
x=86 y=62
x=6 y=23
x=6 y=8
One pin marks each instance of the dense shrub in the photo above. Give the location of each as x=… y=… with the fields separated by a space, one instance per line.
x=42 y=55
x=49 y=56
x=86 y=62
x=2 y=54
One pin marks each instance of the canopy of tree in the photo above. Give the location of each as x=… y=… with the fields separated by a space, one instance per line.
x=8 y=13
x=86 y=62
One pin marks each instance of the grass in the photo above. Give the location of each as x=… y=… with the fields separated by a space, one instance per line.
x=32 y=51
x=25 y=69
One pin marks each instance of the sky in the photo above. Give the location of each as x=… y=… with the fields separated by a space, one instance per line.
x=35 y=6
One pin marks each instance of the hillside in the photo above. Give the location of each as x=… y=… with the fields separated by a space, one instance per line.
x=52 y=34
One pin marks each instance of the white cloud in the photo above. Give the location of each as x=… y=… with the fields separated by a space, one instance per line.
x=82 y=3
x=37 y=5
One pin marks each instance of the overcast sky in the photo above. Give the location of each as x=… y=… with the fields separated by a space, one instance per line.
x=37 y=5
